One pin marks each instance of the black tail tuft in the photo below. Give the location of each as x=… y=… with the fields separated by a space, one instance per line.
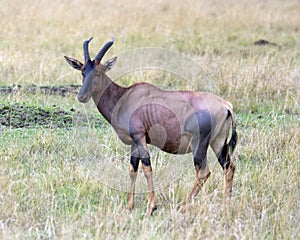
x=234 y=138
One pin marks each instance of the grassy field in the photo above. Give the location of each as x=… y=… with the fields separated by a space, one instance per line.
x=70 y=182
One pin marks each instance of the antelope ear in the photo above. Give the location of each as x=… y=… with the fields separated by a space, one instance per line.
x=109 y=64
x=74 y=63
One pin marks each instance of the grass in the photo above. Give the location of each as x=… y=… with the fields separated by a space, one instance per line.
x=62 y=183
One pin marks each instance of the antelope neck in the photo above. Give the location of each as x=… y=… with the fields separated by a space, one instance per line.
x=108 y=96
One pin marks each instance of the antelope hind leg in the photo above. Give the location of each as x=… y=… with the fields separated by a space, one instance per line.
x=229 y=173
x=134 y=164
x=201 y=178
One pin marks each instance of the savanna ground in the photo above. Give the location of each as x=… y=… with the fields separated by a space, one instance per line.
x=48 y=189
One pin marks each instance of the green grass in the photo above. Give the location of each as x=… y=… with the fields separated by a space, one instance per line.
x=52 y=193
x=70 y=183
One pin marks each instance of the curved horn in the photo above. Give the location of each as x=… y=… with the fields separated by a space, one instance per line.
x=104 y=50
x=86 y=49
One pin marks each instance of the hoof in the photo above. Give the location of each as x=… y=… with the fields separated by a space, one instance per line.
x=184 y=208
x=150 y=210
x=130 y=207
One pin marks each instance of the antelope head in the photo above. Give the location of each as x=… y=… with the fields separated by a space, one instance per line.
x=92 y=70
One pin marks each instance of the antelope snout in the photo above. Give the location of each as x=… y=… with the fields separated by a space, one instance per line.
x=83 y=98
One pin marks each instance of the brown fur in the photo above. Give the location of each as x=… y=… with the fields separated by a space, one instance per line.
x=177 y=122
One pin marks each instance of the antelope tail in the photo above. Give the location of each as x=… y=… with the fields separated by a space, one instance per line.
x=234 y=137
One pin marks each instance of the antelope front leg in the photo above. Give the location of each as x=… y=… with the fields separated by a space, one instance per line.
x=134 y=165
x=147 y=169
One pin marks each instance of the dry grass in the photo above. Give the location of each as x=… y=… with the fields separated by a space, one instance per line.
x=49 y=190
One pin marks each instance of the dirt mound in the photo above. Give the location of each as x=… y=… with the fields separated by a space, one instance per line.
x=22 y=116
x=33 y=89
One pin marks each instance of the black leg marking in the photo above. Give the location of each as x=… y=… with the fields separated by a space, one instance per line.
x=134 y=161
x=202 y=138
x=200 y=162
x=201 y=152
x=146 y=162
x=223 y=156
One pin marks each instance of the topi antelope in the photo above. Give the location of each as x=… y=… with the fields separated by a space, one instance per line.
x=177 y=122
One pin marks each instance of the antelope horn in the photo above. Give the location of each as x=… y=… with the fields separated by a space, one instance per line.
x=104 y=50
x=86 y=49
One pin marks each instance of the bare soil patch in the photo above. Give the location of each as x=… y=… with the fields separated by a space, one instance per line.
x=30 y=116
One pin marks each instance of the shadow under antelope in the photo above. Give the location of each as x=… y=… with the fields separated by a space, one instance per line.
x=177 y=122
